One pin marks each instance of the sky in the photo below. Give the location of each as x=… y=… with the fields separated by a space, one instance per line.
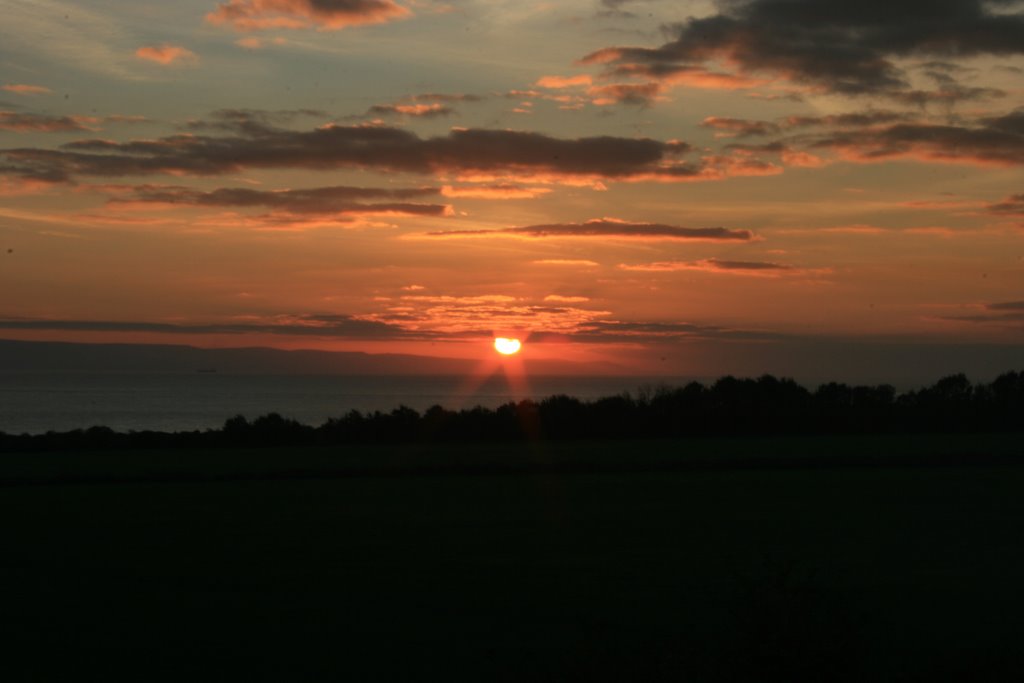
x=676 y=187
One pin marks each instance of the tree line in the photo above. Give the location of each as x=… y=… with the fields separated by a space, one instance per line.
x=729 y=406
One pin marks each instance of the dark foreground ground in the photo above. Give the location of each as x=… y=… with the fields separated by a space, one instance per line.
x=824 y=559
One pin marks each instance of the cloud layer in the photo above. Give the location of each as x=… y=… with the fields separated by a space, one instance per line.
x=603 y=227
x=338 y=200
x=482 y=155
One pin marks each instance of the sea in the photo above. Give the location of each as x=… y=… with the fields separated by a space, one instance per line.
x=35 y=403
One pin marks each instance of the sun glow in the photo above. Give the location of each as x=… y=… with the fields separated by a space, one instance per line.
x=506 y=346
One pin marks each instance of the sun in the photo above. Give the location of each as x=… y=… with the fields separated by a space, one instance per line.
x=507 y=346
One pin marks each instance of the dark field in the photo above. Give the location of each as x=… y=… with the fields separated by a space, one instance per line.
x=786 y=559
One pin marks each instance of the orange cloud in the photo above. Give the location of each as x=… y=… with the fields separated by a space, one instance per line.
x=40 y=123
x=419 y=110
x=167 y=54
x=254 y=43
x=737 y=164
x=625 y=93
x=605 y=55
x=495 y=191
x=656 y=80
x=481 y=315
x=25 y=89
x=711 y=80
x=559 y=299
x=800 y=159
x=583 y=263
x=22 y=186
x=855 y=230
x=563 y=99
x=745 y=268
x=559 y=82
x=324 y=15
x=689 y=76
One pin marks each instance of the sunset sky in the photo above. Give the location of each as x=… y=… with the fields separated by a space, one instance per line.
x=688 y=187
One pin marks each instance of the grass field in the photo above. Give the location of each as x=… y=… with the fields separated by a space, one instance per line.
x=867 y=559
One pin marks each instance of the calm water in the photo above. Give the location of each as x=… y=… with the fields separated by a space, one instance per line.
x=36 y=403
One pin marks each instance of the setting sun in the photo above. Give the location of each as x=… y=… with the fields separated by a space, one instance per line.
x=506 y=346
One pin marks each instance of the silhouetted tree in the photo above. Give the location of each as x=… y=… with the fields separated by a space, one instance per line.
x=767 y=405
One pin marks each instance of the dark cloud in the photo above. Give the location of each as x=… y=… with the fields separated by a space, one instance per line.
x=1009 y=314
x=443 y=97
x=997 y=141
x=740 y=127
x=848 y=120
x=41 y=123
x=947 y=95
x=614 y=9
x=776 y=147
x=475 y=153
x=1006 y=313
x=1006 y=306
x=1011 y=206
x=307 y=325
x=943 y=67
x=619 y=331
x=789 y=155
x=776 y=97
x=883 y=134
x=252 y=121
x=320 y=200
x=608 y=228
x=1008 y=123
x=840 y=46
